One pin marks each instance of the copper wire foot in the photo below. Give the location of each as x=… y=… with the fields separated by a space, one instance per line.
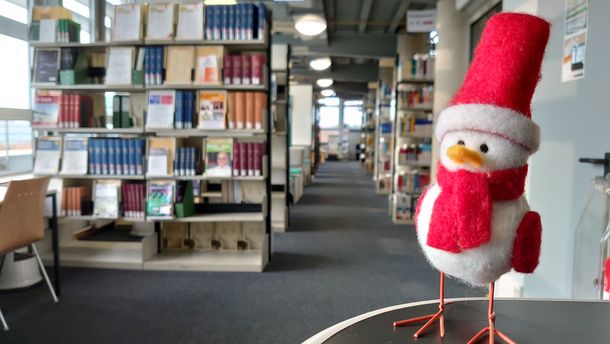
x=491 y=329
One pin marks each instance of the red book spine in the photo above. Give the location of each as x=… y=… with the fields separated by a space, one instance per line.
x=243 y=157
x=141 y=200
x=236 y=158
x=258 y=63
x=63 y=104
x=70 y=117
x=246 y=70
x=257 y=159
x=236 y=70
x=251 y=154
x=77 y=110
x=124 y=198
x=228 y=69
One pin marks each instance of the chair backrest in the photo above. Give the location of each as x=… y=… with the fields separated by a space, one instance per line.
x=22 y=213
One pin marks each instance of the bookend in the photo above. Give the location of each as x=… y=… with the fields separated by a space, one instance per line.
x=186 y=207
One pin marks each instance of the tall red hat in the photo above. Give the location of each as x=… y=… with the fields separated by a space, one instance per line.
x=497 y=92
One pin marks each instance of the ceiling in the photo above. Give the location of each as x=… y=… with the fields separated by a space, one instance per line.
x=359 y=32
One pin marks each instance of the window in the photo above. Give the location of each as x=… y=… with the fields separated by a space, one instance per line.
x=14 y=83
x=352 y=117
x=329 y=117
x=15 y=142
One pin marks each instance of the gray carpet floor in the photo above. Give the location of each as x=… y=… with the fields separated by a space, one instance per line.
x=341 y=257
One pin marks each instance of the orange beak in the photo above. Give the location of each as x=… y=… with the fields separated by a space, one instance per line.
x=462 y=155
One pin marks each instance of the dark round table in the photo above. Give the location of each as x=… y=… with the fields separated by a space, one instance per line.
x=524 y=320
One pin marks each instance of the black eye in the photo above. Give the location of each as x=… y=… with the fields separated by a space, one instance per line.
x=484 y=148
x=461 y=142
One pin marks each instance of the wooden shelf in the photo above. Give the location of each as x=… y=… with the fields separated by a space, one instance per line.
x=203 y=177
x=414 y=164
x=416 y=81
x=94 y=176
x=94 y=130
x=415 y=136
x=262 y=87
x=249 y=44
x=208 y=260
x=206 y=133
x=91 y=87
x=97 y=218
x=403 y=222
x=222 y=217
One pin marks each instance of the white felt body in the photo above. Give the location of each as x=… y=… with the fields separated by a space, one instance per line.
x=486 y=263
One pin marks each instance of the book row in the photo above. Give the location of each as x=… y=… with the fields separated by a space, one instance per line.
x=54 y=30
x=149 y=66
x=416 y=97
x=414 y=124
x=192 y=21
x=421 y=153
x=70 y=110
x=216 y=110
x=404 y=206
x=224 y=157
x=411 y=182
x=112 y=199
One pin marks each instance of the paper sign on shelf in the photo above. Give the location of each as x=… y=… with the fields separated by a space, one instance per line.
x=421 y=20
x=574 y=40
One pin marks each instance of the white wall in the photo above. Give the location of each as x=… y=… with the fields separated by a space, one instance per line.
x=574 y=123
x=302 y=114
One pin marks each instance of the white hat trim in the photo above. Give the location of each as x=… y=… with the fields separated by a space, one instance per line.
x=491 y=119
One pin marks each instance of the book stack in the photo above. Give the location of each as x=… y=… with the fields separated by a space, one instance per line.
x=235 y=22
x=72 y=201
x=212 y=109
x=246 y=110
x=209 y=64
x=74 y=157
x=160 y=109
x=186 y=160
x=160 y=199
x=121 y=112
x=133 y=195
x=55 y=31
x=247 y=158
x=48 y=152
x=404 y=206
x=107 y=198
x=64 y=110
x=153 y=65
x=185 y=110
x=219 y=156
x=110 y=156
x=244 y=69
x=412 y=182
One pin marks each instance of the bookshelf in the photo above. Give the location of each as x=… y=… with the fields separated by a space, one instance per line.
x=280 y=172
x=412 y=152
x=237 y=229
x=384 y=139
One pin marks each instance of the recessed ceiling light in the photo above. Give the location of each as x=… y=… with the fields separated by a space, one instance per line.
x=310 y=25
x=324 y=82
x=320 y=63
x=327 y=92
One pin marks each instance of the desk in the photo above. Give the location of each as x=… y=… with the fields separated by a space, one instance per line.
x=52 y=194
x=524 y=320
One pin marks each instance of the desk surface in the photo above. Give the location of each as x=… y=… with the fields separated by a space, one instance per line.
x=525 y=321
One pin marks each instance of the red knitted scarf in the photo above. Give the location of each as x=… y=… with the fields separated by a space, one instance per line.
x=461 y=217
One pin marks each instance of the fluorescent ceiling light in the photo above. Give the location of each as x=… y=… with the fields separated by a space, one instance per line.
x=324 y=82
x=114 y=2
x=14 y=12
x=327 y=93
x=322 y=63
x=310 y=25
x=220 y=2
x=77 y=7
x=107 y=22
x=352 y=102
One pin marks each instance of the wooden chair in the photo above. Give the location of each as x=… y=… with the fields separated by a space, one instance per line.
x=22 y=221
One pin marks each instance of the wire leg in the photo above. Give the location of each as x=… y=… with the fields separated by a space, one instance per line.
x=4 y=324
x=44 y=273
x=491 y=329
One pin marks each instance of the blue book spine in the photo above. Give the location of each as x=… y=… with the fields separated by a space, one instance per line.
x=159 y=70
x=90 y=156
x=147 y=64
x=138 y=157
x=177 y=162
x=192 y=161
x=224 y=22
x=98 y=156
x=111 y=156
x=131 y=156
x=118 y=157
x=104 y=154
x=244 y=21
x=231 y=23
x=209 y=22
x=217 y=22
x=189 y=103
x=180 y=162
x=179 y=116
x=249 y=21
x=124 y=155
x=262 y=20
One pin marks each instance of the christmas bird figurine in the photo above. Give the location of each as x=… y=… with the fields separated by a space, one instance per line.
x=475 y=224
